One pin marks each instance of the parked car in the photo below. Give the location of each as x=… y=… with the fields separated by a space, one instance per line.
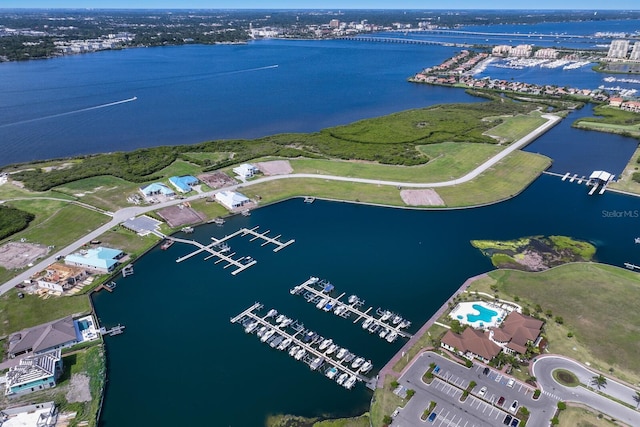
x=507 y=420
x=482 y=392
x=514 y=422
x=432 y=417
x=511 y=382
x=501 y=401
x=486 y=371
x=514 y=407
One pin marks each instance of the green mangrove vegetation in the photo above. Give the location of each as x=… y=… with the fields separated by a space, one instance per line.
x=13 y=220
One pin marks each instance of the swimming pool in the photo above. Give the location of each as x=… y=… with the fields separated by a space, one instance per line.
x=484 y=314
x=478 y=314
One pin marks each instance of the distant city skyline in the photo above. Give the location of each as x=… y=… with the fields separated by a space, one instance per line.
x=328 y=4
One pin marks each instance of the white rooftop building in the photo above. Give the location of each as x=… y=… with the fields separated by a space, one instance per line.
x=245 y=170
x=231 y=199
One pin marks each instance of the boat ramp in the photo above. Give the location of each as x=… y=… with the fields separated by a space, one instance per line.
x=219 y=248
x=384 y=323
x=320 y=353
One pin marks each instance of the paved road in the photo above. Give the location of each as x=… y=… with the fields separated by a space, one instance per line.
x=123 y=214
x=544 y=366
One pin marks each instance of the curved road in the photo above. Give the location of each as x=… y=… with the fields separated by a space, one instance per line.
x=543 y=367
x=123 y=214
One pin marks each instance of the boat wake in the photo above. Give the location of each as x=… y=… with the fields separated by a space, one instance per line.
x=82 y=110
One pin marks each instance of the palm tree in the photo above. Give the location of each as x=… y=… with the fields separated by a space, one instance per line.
x=599 y=381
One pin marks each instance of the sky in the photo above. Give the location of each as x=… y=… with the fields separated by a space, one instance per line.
x=326 y=4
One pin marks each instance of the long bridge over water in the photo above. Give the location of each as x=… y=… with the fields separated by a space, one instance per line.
x=401 y=40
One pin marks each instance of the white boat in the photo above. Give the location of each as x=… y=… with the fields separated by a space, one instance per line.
x=340 y=308
x=349 y=357
x=317 y=362
x=352 y=299
x=374 y=328
x=366 y=366
x=276 y=341
x=357 y=363
x=286 y=322
x=341 y=353
x=383 y=333
x=396 y=319
x=300 y=354
x=262 y=330
x=348 y=384
x=293 y=350
x=326 y=343
x=392 y=336
x=332 y=348
x=386 y=315
x=321 y=303
x=367 y=323
x=280 y=318
x=271 y=313
x=285 y=343
x=313 y=279
x=331 y=372
x=295 y=290
x=251 y=327
x=342 y=377
x=267 y=335
x=404 y=324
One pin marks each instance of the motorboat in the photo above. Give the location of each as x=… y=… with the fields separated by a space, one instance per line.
x=329 y=306
x=300 y=354
x=271 y=313
x=276 y=341
x=357 y=363
x=286 y=322
x=293 y=350
x=321 y=303
x=404 y=324
x=285 y=343
x=396 y=319
x=340 y=308
x=386 y=315
x=352 y=299
x=348 y=384
x=349 y=357
x=313 y=279
x=262 y=330
x=308 y=336
x=366 y=366
x=367 y=323
x=341 y=353
x=295 y=290
x=251 y=327
x=280 y=318
x=331 y=372
x=392 y=336
x=374 y=328
x=383 y=333
x=267 y=335
x=332 y=348
x=317 y=362
x=342 y=377
x=326 y=343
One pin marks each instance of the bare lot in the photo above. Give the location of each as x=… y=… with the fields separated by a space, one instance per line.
x=18 y=255
x=275 y=167
x=421 y=198
x=217 y=179
x=180 y=215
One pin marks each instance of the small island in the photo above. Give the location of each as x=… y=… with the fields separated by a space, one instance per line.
x=536 y=253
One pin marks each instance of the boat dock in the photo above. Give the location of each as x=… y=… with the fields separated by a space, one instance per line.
x=219 y=247
x=319 y=353
x=598 y=179
x=384 y=323
x=116 y=330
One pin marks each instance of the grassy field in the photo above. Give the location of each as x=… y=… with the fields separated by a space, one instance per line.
x=57 y=223
x=128 y=241
x=361 y=421
x=384 y=402
x=611 y=119
x=581 y=417
x=207 y=157
x=426 y=340
x=631 y=130
x=514 y=128
x=625 y=182
x=598 y=304
x=506 y=179
x=19 y=313
x=448 y=160
x=105 y=191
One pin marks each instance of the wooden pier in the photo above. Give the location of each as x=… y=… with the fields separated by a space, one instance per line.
x=116 y=330
x=311 y=286
x=218 y=247
x=341 y=365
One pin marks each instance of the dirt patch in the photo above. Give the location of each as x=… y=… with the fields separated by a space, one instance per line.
x=217 y=179
x=180 y=215
x=78 y=389
x=275 y=167
x=18 y=255
x=427 y=197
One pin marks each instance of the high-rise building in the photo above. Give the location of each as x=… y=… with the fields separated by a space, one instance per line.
x=618 y=49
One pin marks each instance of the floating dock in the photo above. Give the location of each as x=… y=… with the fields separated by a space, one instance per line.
x=318 y=291
x=303 y=344
x=219 y=248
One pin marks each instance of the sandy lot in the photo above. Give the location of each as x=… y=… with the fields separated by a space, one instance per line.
x=18 y=255
x=217 y=179
x=78 y=390
x=177 y=216
x=275 y=167
x=427 y=197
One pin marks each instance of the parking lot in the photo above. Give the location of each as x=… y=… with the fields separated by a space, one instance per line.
x=492 y=402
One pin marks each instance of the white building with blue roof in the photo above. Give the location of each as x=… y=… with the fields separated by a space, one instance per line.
x=183 y=183
x=156 y=189
x=103 y=260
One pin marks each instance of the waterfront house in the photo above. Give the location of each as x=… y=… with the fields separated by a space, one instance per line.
x=245 y=171
x=231 y=199
x=60 y=277
x=35 y=415
x=156 y=189
x=100 y=260
x=34 y=373
x=471 y=343
x=183 y=183
x=39 y=339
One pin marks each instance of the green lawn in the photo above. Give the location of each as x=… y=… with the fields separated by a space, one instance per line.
x=384 y=402
x=514 y=128
x=106 y=192
x=583 y=417
x=361 y=421
x=598 y=304
x=434 y=333
x=19 y=313
x=128 y=241
x=211 y=157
